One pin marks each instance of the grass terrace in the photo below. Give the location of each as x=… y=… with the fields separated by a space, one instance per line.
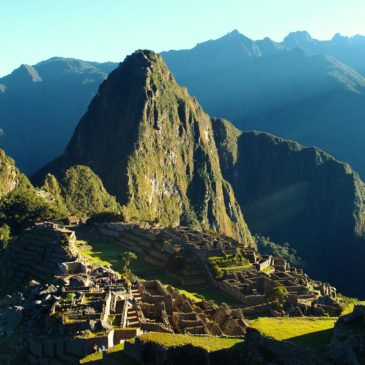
x=313 y=332
x=108 y=254
x=208 y=343
x=116 y=352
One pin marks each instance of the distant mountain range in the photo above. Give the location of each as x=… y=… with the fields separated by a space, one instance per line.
x=40 y=106
x=154 y=147
x=304 y=89
x=295 y=89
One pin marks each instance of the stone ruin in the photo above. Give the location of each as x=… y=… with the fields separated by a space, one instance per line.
x=165 y=309
x=250 y=285
x=37 y=253
x=109 y=310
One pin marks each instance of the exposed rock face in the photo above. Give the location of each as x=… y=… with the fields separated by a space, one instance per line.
x=10 y=177
x=299 y=195
x=153 y=147
x=348 y=342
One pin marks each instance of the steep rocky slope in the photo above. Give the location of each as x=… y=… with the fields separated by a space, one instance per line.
x=153 y=147
x=299 y=195
x=10 y=176
x=40 y=106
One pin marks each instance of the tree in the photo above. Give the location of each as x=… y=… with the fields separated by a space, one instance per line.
x=127 y=257
x=22 y=207
x=278 y=295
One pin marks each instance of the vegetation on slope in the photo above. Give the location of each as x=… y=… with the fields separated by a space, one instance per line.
x=299 y=195
x=267 y=247
x=153 y=147
x=23 y=207
x=81 y=191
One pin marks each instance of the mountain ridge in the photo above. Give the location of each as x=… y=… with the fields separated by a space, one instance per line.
x=312 y=98
x=142 y=116
x=53 y=94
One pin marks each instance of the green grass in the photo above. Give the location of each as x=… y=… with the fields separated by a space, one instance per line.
x=208 y=343
x=92 y=358
x=239 y=267
x=107 y=254
x=117 y=353
x=312 y=332
x=195 y=297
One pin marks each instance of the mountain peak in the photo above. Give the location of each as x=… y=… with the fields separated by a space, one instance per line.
x=339 y=39
x=235 y=35
x=298 y=38
x=153 y=147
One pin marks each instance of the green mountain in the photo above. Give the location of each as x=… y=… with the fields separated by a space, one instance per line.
x=80 y=192
x=40 y=106
x=299 y=195
x=153 y=147
x=10 y=176
x=20 y=203
x=291 y=92
x=165 y=160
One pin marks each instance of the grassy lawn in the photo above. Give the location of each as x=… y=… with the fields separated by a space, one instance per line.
x=92 y=358
x=312 y=332
x=239 y=267
x=208 y=343
x=107 y=254
x=98 y=356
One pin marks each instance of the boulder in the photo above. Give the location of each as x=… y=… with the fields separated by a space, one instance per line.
x=80 y=280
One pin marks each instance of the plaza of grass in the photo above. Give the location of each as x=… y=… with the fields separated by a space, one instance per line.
x=313 y=332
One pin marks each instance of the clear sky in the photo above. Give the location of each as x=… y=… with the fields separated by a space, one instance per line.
x=108 y=30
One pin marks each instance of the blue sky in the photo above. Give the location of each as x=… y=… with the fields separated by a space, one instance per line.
x=34 y=30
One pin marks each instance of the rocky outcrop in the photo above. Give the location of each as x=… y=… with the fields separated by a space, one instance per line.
x=10 y=177
x=299 y=195
x=153 y=147
x=348 y=341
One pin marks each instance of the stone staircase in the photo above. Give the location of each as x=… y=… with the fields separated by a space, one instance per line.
x=132 y=318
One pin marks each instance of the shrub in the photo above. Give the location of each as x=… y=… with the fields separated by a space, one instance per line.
x=105 y=217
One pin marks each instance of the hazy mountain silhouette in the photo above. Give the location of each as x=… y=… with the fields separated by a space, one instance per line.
x=40 y=106
x=282 y=88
